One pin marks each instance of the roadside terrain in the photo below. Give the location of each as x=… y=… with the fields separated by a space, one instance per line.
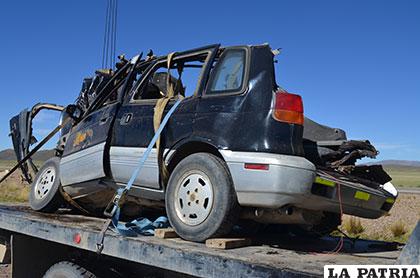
x=404 y=176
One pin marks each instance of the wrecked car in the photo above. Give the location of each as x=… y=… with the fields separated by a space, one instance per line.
x=237 y=147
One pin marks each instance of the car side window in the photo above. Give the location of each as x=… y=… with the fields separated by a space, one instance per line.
x=184 y=78
x=228 y=74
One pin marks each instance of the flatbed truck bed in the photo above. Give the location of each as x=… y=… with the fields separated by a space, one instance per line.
x=39 y=240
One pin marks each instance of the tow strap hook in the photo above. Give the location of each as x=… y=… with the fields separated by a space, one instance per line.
x=113 y=208
x=116 y=202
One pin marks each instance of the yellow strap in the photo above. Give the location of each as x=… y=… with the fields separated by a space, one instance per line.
x=158 y=115
x=169 y=88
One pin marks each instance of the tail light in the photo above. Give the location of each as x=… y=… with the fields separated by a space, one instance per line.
x=288 y=108
x=256 y=166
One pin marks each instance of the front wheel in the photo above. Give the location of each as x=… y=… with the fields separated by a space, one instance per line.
x=45 y=195
x=68 y=270
x=200 y=199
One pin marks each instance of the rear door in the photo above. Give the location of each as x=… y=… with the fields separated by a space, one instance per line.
x=133 y=128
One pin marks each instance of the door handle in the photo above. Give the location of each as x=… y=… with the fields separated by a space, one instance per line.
x=126 y=118
x=103 y=120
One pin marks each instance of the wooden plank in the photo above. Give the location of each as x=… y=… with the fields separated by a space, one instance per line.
x=227 y=243
x=3 y=250
x=165 y=233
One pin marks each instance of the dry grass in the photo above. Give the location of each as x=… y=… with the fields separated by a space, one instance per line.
x=13 y=193
x=353 y=226
x=13 y=190
x=399 y=229
x=404 y=176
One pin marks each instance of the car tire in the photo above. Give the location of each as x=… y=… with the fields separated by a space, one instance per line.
x=45 y=195
x=68 y=270
x=200 y=183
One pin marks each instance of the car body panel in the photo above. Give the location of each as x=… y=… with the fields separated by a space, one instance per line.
x=87 y=147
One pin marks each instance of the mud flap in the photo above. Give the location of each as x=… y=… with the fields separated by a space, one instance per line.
x=411 y=252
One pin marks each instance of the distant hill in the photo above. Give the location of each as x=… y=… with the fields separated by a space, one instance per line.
x=42 y=155
x=400 y=163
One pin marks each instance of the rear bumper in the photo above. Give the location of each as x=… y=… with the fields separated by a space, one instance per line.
x=288 y=178
x=291 y=180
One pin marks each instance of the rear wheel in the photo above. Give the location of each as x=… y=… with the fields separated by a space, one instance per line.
x=45 y=195
x=200 y=199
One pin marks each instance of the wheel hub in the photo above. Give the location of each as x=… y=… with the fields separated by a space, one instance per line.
x=194 y=198
x=45 y=182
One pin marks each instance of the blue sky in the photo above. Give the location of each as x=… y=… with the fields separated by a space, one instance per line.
x=356 y=63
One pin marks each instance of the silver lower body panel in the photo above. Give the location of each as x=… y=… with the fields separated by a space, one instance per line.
x=84 y=165
x=125 y=159
x=288 y=178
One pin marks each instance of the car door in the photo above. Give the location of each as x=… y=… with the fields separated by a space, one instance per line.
x=133 y=129
x=87 y=147
x=83 y=157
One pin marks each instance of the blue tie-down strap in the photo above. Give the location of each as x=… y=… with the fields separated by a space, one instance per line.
x=140 y=226
x=114 y=209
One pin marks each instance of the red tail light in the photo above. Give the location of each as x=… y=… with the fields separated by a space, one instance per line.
x=254 y=166
x=288 y=108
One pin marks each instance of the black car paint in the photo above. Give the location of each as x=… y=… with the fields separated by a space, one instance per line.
x=240 y=121
x=95 y=128
x=243 y=121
